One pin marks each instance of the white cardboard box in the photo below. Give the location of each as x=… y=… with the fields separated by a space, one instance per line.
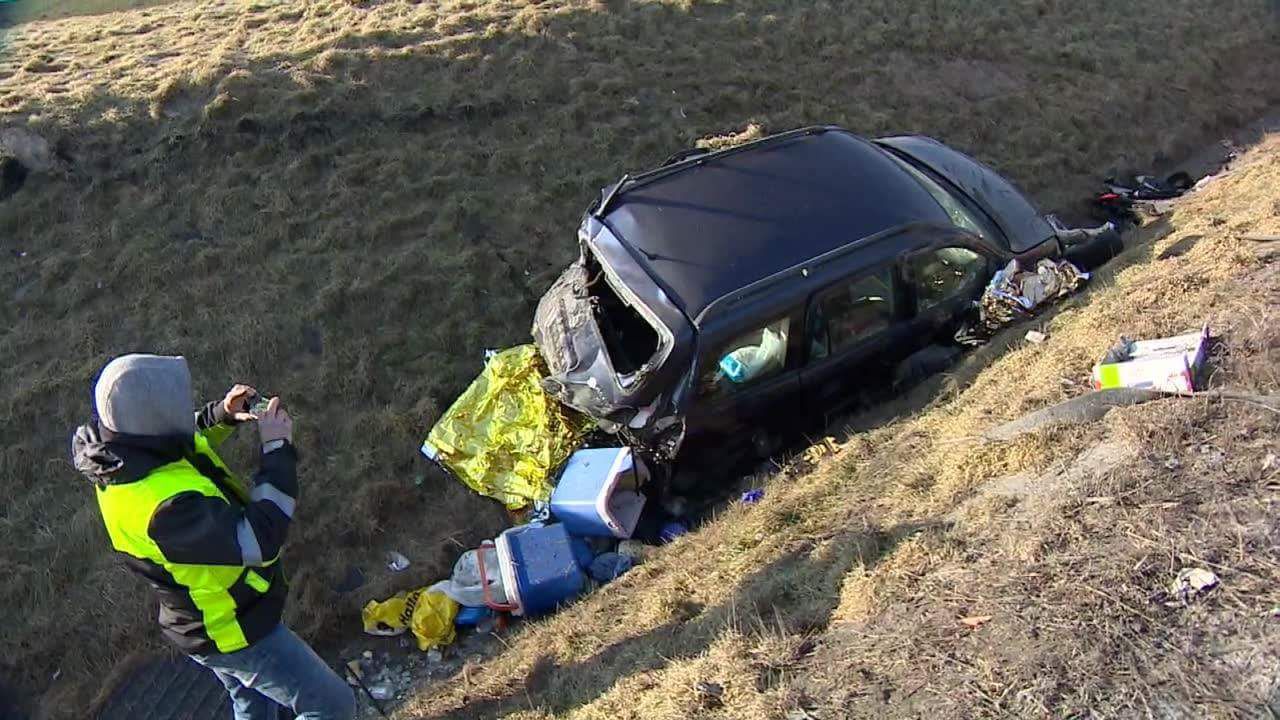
x=1169 y=364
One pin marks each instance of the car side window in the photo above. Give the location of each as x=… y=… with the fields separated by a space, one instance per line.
x=938 y=275
x=748 y=359
x=850 y=312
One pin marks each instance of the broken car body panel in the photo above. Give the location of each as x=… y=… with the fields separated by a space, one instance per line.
x=567 y=330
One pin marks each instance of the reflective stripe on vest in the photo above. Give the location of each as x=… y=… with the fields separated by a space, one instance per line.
x=127 y=510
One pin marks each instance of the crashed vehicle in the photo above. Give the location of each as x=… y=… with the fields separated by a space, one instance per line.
x=733 y=297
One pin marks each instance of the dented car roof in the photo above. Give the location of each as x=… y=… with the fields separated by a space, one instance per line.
x=717 y=223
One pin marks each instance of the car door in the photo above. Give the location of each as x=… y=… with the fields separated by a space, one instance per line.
x=745 y=382
x=854 y=334
x=941 y=282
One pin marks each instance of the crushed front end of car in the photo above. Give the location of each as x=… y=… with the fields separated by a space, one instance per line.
x=616 y=347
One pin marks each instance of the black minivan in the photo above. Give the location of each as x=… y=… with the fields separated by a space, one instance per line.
x=735 y=295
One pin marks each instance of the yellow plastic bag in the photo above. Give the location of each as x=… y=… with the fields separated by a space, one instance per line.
x=504 y=435
x=429 y=614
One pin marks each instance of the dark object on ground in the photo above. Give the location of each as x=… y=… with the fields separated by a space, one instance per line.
x=727 y=293
x=673 y=530
x=1076 y=411
x=168 y=688
x=1100 y=246
x=1125 y=193
x=609 y=566
x=12 y=175
x=1120 y=352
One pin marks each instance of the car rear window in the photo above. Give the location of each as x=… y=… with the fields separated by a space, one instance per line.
x=629 y=339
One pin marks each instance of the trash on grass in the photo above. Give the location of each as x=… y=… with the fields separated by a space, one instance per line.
x=504 y=435
x=634 y=549
x=751 y=497
x=1189 y=584
x=672 y=530
x=466 y=586
x=711 y=694
x=975 y=621
x=598 y=494
x=428 y=614
x=1014 y=294
x=1169 y=364
x=396 y=562
x=1035 y=337
x=609 y=566
x=382 y=691
x=472 y=616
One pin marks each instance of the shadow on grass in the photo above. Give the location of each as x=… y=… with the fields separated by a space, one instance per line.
x=796 y=593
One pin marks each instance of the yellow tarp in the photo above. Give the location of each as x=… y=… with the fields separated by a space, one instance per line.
x=428 y=614
x=504 y=435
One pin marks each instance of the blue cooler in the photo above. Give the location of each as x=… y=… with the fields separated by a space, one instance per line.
x=598 y=493
x=539 y=568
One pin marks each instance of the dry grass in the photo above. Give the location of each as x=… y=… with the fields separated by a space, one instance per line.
x=841 y=594
x=346 y=203
x=24 y=11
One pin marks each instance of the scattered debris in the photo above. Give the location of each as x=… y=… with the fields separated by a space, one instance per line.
x=1035 y=337
x=1014 y=294
x=819 y=450
x=470 y=585
x=673 y=530
x=975 y=621
x=609 y=566
x=1168 y=364
x=751 y=497
x=634 y=549
x=428 y=614
x=396 y=562
x=1126 y=195
x=382 y=691
x=710 y=694
x=1269 y=462
x=1189 y=584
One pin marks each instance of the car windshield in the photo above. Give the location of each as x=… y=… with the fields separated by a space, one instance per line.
x=961 y=215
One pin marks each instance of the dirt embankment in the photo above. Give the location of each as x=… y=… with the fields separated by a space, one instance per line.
x=346 y=203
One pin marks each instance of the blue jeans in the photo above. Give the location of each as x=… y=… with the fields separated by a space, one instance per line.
x=281 y=670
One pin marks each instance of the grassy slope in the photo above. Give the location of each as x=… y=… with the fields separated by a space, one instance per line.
x=22 y=11
x=842 y=593
x=346 y=203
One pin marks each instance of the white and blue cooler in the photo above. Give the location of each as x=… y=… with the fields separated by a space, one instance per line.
x=599 y=493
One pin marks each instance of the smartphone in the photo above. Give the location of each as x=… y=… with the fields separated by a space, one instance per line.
x=259 y=404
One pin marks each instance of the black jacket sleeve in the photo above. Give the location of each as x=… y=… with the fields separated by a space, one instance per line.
x=192 y=528
x=212 y=414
